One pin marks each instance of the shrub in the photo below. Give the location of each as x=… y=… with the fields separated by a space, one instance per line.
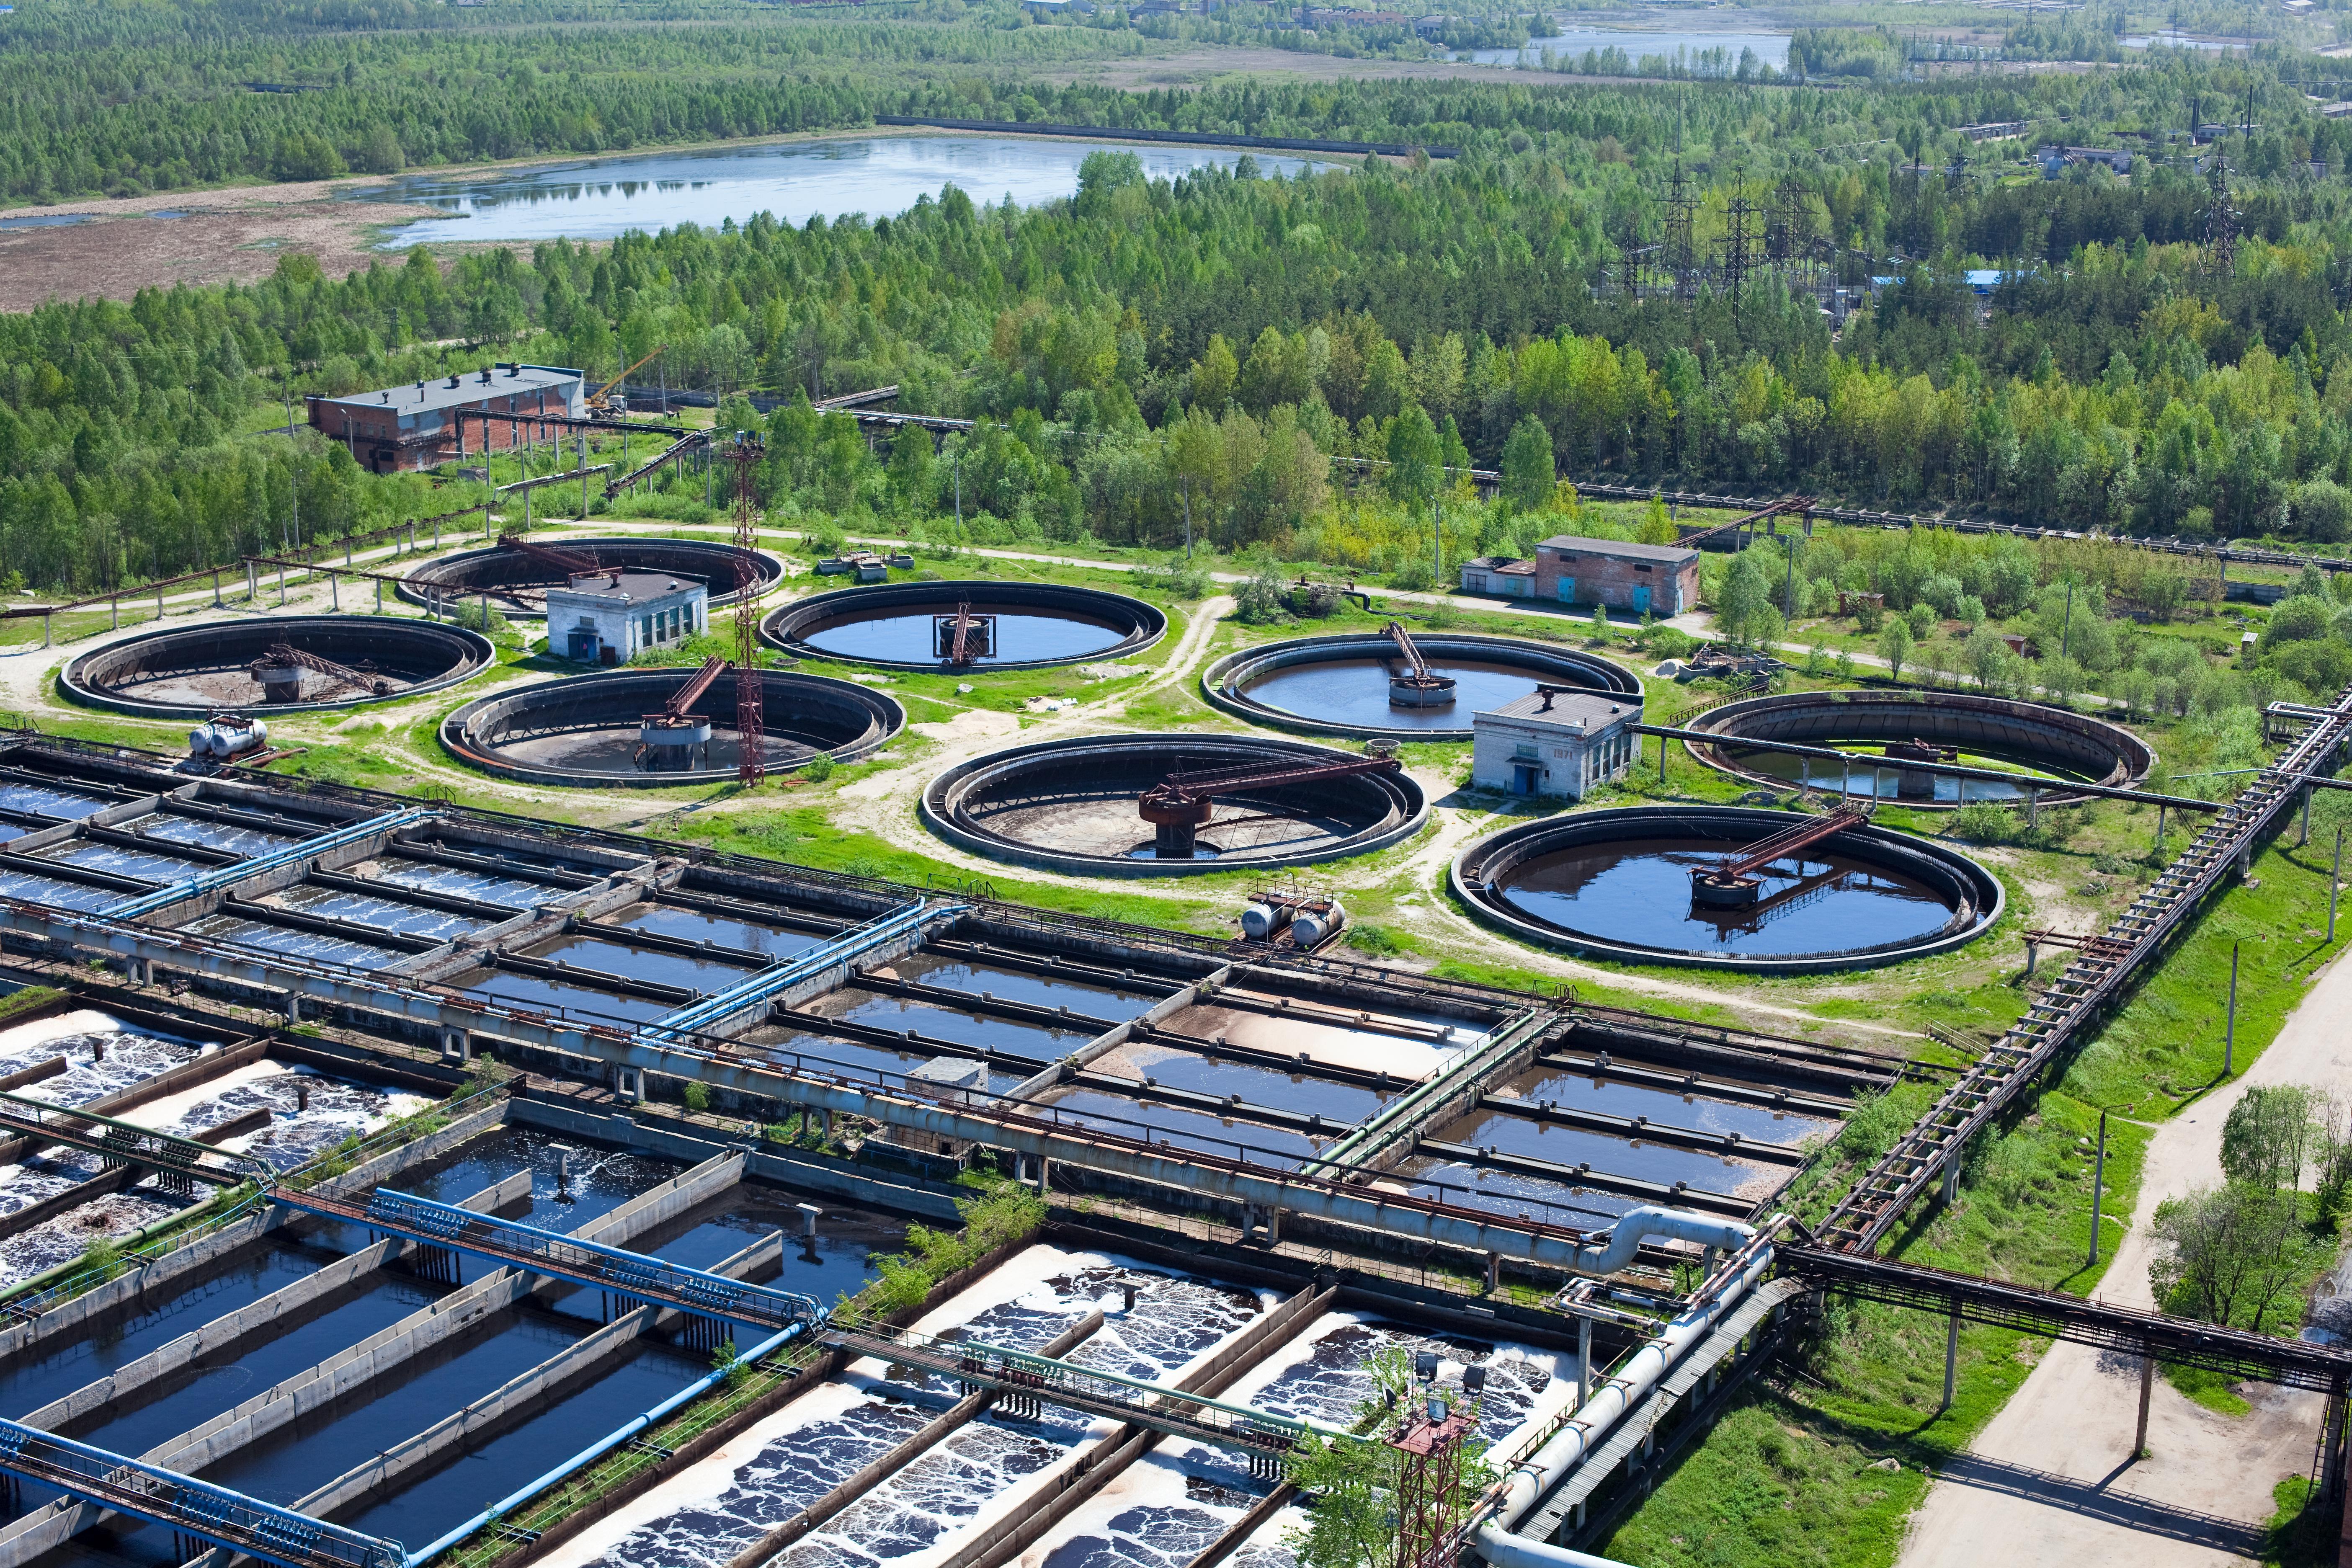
x=819 y=768
x=1263 y=600
x=1981 y=822
x=698 y=1097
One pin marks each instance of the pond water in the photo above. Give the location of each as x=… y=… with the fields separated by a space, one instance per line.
x=878 y=175
x=1638 y=892
x=1771 y=49
x=909 y=638
x=1355 y=692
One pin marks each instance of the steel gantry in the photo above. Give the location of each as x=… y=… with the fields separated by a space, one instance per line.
x=514 y=1244
x=186 y=1504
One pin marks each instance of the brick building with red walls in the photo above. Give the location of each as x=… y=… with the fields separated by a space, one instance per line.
x=417 y=427
x=1657 y=579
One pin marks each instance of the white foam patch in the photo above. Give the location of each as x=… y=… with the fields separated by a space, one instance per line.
x=22 y=1039
x=167 y=1112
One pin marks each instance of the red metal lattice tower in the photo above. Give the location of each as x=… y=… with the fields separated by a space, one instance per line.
x=750 y=712
x=1429 y=1488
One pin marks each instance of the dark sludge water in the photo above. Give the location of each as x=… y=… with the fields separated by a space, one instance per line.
x=907 y=635
x=1636 y=894
x=1873 y=776
x=704 y=1516
x=1354 y=692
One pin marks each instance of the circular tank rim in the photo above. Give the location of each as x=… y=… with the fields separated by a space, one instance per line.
x=772 y=569
x=2136 y=758
x=1335 y=646
x=889 y=718
x=936 y=808
x=783 y=625
x=74 y=678
x=1520 y=841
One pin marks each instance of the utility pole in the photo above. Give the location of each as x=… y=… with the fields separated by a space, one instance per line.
x=1186 y=484
x=2334 y=884
x=2230 y=1031
x=2098 y=1176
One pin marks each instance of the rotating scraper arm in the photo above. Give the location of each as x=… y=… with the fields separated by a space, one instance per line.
x=1403 y=639
x=682 y=702
x=282 y=655
x=570 y=564
x=1192 y=789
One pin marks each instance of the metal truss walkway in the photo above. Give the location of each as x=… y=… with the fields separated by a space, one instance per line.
x=192 y=1507
x=237 y=872
x=535 y=1251
x=120 y=1141
x=771 y=982
x=1025 y=1378
x=2231 y=1351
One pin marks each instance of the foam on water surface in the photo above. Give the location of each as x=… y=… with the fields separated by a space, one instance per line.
x=80 y=1037
x=990 y=1467
x=337 y=1109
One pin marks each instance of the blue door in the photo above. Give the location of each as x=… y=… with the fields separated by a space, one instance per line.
x=1641 y=601
x=1567 y=590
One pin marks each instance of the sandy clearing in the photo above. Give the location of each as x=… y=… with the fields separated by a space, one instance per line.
x=2049 y=1482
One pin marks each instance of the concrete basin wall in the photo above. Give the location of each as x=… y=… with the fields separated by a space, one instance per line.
x=2106 y=753
x=1143 y=624
x=494 y=567
x=838 y=718
x=425 y=656
x=1392 y=807
x=1223 y=682
x=1479 y=871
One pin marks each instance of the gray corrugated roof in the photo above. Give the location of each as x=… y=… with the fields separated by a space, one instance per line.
x=1569 y=708
x=470 y=389
x=1618 y=547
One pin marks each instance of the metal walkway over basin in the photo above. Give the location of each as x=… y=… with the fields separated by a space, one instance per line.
x=121 y=1143
x=559 y=1256
x=1022 y=1376
x=236 y=872
x=192 y=1507
x=771 y=982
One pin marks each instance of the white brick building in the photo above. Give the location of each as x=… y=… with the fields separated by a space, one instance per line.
x=609 y=617
x=1554 y=744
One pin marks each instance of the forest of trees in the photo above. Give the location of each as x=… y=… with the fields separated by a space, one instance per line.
x=1222 y=339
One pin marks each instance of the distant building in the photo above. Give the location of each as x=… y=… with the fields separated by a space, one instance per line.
x=1504 y=575
x=609 y=617
x=1555 y=744
x=1652 y=579
x=416 y=426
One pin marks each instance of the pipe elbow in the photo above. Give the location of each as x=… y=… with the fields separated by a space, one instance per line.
x=1504 y=1550
x=1637 y=1225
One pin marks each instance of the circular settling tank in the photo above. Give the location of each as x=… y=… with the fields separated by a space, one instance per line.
x=517 y=581
x=603 y=731
x=277 y=664
x=964 y=624
x=1360 y=684
x=1645 y=884
x=1883 y=731
x=1160 y=806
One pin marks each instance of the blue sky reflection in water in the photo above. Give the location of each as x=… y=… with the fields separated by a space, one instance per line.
x=878 y=175
x=1639 y=893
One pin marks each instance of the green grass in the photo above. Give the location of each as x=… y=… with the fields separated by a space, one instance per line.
x=1785 y=1478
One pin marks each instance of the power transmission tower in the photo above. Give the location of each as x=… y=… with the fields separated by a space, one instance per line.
x=750 y=709
x=1682 y=213
x=1739 y=249
x=2220 y=222
x=1429 y=1485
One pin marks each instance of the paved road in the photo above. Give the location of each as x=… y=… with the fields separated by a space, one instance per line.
x=2050 y=1484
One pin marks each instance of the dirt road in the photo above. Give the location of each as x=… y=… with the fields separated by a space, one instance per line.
x=2049 y=1483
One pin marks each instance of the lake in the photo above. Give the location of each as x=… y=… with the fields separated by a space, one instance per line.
x=1771 y=49
x=877 y=175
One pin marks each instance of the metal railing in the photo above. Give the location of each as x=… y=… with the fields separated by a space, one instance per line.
x=512 y=1244
x=237 y=872
x=184 y=1503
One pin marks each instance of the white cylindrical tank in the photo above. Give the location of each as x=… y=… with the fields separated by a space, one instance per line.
x=1261 y=920
x=226 y=741
x=1313 y=927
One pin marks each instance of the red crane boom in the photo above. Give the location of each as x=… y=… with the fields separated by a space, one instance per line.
x=1732 y=879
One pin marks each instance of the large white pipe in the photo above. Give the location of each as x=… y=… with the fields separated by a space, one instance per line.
x=1636 y=1226
x=1604 y=1407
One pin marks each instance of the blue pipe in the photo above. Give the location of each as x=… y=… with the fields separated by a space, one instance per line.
x=603 y=1445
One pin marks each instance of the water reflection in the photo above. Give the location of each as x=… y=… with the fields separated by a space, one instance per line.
x=878 y=175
